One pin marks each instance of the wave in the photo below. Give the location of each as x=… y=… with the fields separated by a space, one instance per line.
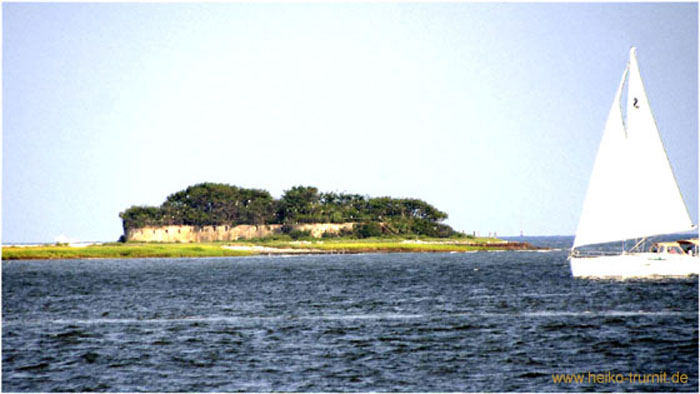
x=373 y=316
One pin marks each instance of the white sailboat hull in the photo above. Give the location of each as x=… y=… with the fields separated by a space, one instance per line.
x=635 y=265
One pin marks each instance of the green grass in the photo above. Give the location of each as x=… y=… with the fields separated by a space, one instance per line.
x=215 y=249
x=119 y=250
x=348 y=245
x=285 y=239
x=388 y=247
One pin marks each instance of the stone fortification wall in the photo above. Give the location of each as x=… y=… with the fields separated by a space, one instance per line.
x=226 y=233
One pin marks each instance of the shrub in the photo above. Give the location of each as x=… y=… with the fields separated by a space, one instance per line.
x=298 y=234
x=330 y=234
x=370 y=229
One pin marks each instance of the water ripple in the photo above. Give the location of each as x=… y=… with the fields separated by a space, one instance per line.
x=400 y=322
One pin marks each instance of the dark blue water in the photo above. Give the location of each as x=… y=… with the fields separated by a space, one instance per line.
x=482 y=321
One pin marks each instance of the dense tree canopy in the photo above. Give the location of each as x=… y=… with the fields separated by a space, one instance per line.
x=221 y=204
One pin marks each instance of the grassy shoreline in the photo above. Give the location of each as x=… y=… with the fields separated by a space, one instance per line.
x=257 y=247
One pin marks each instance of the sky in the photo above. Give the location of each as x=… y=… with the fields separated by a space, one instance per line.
x=490 y=112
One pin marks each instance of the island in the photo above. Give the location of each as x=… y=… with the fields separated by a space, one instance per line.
x=215 y=219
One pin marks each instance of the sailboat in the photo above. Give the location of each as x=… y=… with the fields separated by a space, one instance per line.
x=632 y=195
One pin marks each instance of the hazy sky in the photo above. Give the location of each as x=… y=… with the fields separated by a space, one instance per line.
x=490 y=112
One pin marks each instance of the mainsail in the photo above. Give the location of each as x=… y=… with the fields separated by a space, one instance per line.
x=632 y=192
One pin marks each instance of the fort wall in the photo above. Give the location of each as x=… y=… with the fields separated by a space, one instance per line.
x=188 y=234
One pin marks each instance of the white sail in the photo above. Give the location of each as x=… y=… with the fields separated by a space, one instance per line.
x=632 y=192
x=605 y=198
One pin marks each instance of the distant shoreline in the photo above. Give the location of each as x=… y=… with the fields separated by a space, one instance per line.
x=252 y=248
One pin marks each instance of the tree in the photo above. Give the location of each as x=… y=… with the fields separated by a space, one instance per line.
x=221 y=204
x=218 y=204
x=258 y=207
x=299 y=204
x=140 y=216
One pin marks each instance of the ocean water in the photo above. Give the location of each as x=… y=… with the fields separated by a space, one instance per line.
x=486 y=321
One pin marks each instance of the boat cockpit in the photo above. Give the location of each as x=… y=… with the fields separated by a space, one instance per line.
x=682 y=247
